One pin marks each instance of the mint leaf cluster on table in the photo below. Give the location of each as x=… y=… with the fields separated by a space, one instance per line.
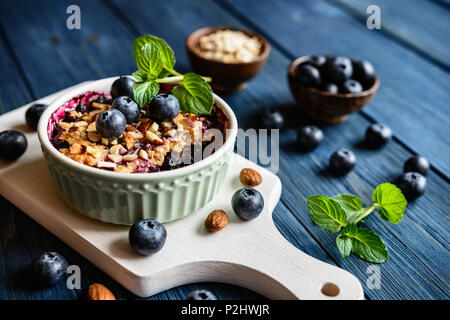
x=344 y=211
x=155 y=61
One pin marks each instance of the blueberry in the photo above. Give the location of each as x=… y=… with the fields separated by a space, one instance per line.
x=417 y=164
x=377 y=135
x=309 y=138
x=342 y=162
x=103 y=99
x=351 y=86
x=82 y=108
x=308 y=75
x=364 y=72
x=412 y=184
x=128 y=107
x=317 y=61
x=122 y=86
x=147 y=236
x=201 y=294
x=247 y=203
x=12 y=144
x=34 y=113
x=271 y=119
x=49 y=268
x=338 y=69
x=163 y=107
x=111 y=123
x=331 y=88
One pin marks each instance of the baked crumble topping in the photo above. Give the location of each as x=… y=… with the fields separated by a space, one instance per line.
x=145 y=145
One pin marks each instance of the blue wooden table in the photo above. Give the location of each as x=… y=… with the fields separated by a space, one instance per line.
x=411 y=52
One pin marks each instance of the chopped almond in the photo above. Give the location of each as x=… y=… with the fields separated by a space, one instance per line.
x=130 y=157
x=115 y=157
x=75 y=148
x=94 y=137
x=129 y=140
x=143 y=154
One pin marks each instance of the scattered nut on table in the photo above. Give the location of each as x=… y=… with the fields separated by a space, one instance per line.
x=250 y=177
x=98 y=291
x=216 y=220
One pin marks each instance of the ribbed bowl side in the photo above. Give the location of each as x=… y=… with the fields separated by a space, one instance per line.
x=126 y=201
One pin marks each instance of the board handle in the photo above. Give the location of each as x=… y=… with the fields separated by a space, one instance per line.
x=285 y=272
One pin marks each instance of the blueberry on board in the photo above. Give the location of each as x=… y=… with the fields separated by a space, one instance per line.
x=309 y=137
x=338 y=69
x=331 y=88
x=342 y=162
x=378 y=135
x=351 y=86
x=48 y=268
x=318 y=61
x=417 y=164
x=247 y=203
x=163 y=107
x=412 y=184
x=128 y=107
x=111 y=123
x=12 y=144
x=271 y=119
x=147 y=236
x=201 y=294
x=122 y=86
x=364 y=72
x=34 y=113
x=308 y=75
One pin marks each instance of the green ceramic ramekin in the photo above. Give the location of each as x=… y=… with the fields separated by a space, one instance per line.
x=124 y=198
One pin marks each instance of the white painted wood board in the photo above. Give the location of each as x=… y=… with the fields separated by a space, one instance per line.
x=250 y=254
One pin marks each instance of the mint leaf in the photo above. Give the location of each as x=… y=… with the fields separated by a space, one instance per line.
x=344 y=245
x=351 y=204
x=326 y=213
x=366 y=244
x=147 y=56
x=144 y=92
x=391 y=200
x=140 y=76
x=195 y=95
x=166 y=53
x=350 y=230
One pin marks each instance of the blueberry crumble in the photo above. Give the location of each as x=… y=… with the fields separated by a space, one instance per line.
x=95 y=130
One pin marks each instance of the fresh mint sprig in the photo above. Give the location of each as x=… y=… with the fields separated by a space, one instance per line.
x=155 y=61
x=345 y=211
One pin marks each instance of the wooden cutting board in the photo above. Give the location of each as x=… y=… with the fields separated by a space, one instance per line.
x=250 y=254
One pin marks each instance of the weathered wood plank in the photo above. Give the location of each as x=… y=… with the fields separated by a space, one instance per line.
x=13 y=89
x=421 y=24
x=413 y=95
x=54 y=57
x=269 y=89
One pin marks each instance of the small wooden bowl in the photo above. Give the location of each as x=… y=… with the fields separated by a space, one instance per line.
x=325 y=106
x=226 y=77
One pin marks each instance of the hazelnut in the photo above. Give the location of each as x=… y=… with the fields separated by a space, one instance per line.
x=98 y=291
x=216 y=220
x=250 y=178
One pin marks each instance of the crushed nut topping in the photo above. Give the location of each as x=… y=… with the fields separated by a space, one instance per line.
x=144 y=146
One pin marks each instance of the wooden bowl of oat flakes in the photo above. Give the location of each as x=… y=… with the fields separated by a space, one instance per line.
x=231 y=56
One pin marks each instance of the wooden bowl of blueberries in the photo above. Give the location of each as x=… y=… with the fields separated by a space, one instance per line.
x=329 y=88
